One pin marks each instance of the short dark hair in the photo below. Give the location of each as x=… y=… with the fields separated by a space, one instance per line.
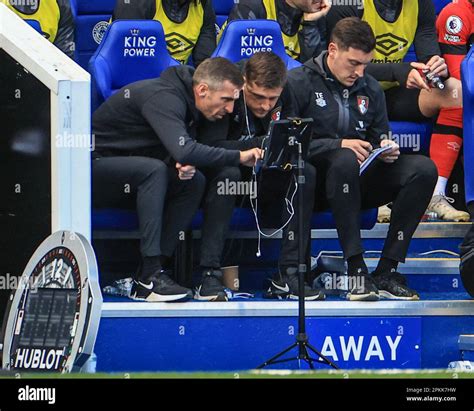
x=355 y=33
x=214 y=71
x=266 y=69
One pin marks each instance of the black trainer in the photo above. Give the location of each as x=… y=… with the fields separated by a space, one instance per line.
x=159 y=288
x=211 y=288
x=285 y=286
x=393 y=286
x=362 y=288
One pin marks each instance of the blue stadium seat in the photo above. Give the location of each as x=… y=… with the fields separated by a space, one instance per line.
x=35 y=24
x=114 y=219
x=91 y=20
x=222 y=9
x=243 y=38
x=412 y=138
x=467 y=77
x=131 y=50
x=440 y=4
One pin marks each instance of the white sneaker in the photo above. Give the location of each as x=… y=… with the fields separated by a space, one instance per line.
x=384 y=214
x=441 y=205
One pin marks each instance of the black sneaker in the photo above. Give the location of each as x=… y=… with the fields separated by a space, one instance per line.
x=392 y=287
x=362 y=288
x=159 y=288
x=285 y=286
x=211 y=288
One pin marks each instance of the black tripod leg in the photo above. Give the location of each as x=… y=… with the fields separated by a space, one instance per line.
x=271 y=360
x=322 y=357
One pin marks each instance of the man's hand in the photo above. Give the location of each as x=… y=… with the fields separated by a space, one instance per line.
x=249 y=157
x=390 y=156
x=361 y=148
x=417 y=80
x=185 y=172
x=436 y=65
x=323 y=10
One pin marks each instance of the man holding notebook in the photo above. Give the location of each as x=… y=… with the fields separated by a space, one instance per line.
x=350 y=121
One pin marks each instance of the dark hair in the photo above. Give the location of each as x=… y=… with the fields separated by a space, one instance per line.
x=355 y=33
x=214 y=71
x=266 y=69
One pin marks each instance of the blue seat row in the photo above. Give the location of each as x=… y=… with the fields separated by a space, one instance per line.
x=127 y=54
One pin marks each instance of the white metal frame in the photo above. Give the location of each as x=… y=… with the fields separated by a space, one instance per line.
x=70 y=116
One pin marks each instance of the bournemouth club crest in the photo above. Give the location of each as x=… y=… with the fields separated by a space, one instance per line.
x=363 y=104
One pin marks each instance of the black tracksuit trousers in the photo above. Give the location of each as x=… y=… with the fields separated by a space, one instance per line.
x=408 y=183
x=165 y=204
x=272 y=187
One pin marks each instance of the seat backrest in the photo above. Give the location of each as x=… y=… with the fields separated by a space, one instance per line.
x=222 y=9
x=91 y=19
x=131 y=50
x=440 y=4
x=467 y=78
x=241 y=39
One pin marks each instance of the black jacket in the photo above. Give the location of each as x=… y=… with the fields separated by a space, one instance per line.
x=157 y=118
x=312 y=37
x=242 y=129
x=146 y=10
x=335 y=108
x=426 y=39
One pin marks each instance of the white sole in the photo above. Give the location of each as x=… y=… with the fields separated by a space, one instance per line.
x=209 y=298
x=365 y=297
x=388 y=296
x=159 y=298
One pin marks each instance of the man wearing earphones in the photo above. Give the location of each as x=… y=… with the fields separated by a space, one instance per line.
x=259 y=103
x=147 y=158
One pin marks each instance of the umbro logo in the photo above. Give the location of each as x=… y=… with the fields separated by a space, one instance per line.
x=177 y=43
x=388 y=44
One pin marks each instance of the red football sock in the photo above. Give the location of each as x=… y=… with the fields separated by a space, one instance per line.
x=446 y=140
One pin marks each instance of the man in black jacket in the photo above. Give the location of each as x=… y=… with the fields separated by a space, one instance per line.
x=302 y=22
x=54 y=17
x=146 y=158
x=397 y=25
x=189 y=25
x=259 y=103
x=350 y=119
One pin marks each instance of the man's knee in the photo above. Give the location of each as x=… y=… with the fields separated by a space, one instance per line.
x=229 y=174
x=452 y=95
x=425 y=169
x=345 y=161
x=152 y=168
x=198 y=183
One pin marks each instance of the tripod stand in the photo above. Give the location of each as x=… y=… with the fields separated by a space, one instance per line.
x=302 y=341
